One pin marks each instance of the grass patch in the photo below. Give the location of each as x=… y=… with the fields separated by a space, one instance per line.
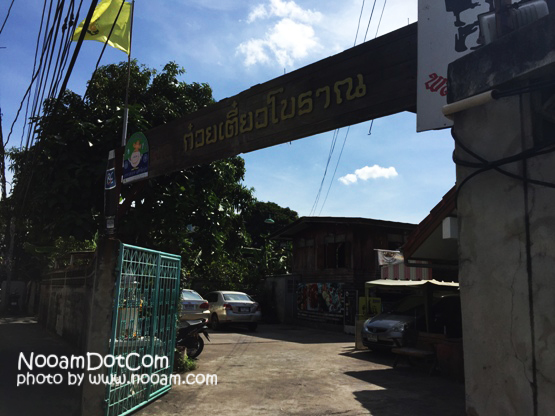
x=182 y=363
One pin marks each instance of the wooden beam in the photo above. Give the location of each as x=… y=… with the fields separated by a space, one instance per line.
x=372 y=80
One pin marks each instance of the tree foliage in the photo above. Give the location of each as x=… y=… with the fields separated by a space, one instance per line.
x=57 y=192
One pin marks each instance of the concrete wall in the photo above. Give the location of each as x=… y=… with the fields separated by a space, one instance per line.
x=280 y=298
x=62 y=307
x=507 y=263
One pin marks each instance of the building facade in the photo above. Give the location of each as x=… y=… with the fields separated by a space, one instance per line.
x=332 y=259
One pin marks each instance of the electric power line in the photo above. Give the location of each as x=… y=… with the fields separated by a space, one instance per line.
x=370 y=20
x=332 y=147
x=7 y=16
x=335 y=171
x=359 y=19
x=380 y=21
x=348 y=129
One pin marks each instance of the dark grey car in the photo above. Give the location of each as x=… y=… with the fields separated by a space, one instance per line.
x=380 y=331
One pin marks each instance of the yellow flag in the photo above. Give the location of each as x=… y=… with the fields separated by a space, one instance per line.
x=102 y=21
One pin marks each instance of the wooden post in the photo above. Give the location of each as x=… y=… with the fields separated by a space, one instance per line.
x=428 y=302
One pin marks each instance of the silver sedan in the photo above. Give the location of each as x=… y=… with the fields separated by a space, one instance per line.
x=228 y=307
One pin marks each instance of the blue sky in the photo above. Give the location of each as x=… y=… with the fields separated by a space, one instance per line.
x=393 y=174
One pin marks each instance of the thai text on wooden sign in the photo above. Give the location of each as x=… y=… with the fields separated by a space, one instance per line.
x=372 y=80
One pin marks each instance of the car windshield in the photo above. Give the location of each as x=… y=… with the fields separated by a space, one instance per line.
x=190 y=295
x=237 y=296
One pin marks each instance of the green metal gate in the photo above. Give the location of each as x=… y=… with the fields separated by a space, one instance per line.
x=143 y=328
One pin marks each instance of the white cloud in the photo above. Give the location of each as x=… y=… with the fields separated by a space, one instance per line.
x=283 y=9
x=259 y=12
x=369 y=172
x=255 y=51
x=290 y=37
x=348 y=179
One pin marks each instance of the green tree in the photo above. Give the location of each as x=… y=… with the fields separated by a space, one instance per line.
x=58 y=182
x=267 y=257
x=204 y=213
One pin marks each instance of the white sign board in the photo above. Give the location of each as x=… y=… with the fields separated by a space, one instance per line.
x=447 y=30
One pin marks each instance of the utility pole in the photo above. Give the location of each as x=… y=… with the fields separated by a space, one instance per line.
x=10 y=228
x=2 y=162
x=9 y=238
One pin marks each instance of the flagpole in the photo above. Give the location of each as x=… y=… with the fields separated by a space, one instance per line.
x=126 y=103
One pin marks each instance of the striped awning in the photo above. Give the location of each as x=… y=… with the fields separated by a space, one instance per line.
x=402 y=272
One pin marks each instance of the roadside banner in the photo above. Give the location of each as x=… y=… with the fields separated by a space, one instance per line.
x=389 y=257
x=447 y=30
x=136 y=158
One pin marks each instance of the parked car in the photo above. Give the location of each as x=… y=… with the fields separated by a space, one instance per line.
x=228 y=307
x=193 y=306
x=408 y=316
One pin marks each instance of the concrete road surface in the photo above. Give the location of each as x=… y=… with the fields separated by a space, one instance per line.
x=284 y=370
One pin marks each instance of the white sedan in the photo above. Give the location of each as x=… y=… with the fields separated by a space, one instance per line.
x=227 y=307
x=192 y=307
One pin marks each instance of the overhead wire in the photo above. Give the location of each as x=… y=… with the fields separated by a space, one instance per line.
x=7 y=16
x=335 y=171
x=53 y=40
x=332 y=147
x=483 y=165
x=36 y=73
x=370 y=20
x=26 y=97
x=359 y=19
x=56 y=40
x=348 y=129
x=380 y=21
x=334 y=138
x=49 y=47
x=63 y=52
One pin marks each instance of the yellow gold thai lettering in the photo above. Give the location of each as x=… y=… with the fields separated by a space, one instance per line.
x=272 y=103
x=360 y=90
x=264 y=123
x=199 y=143
x=305 y=103
x=246 y=126
x=337 y=89
x=284 y=109
x=188 y=139
x=232 y=122
x=326 y=90
x=211 y=135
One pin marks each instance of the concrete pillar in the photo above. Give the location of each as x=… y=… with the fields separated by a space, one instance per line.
x=507 y=262
x=100 y=322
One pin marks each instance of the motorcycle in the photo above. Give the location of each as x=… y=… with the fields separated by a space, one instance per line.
x=189 y=337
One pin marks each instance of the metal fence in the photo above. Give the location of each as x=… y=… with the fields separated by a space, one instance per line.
x=143 y=328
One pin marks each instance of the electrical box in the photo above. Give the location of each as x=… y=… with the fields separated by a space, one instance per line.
x=520 y=14
x=450 y=228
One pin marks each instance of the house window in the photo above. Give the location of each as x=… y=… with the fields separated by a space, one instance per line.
x=336 y=255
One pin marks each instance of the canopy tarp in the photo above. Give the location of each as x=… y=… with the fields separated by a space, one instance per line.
x=427 y=284
x=388 y=282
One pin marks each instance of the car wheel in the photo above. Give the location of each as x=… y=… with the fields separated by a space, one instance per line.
x=252 y=327
x=215 y=322
x=194 y=352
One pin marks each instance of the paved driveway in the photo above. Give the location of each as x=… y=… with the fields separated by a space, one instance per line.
x=283 y=370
